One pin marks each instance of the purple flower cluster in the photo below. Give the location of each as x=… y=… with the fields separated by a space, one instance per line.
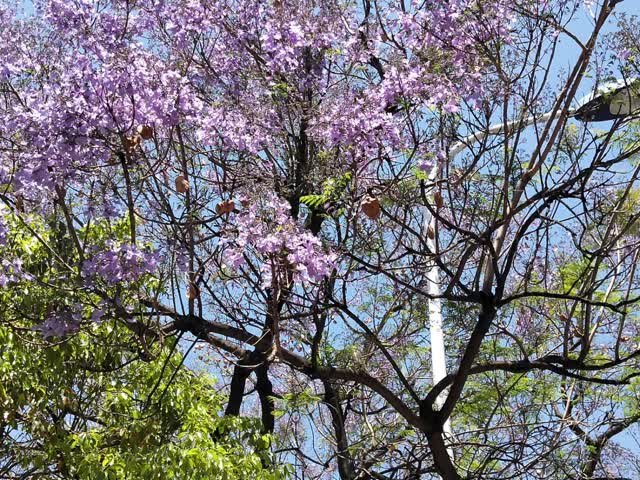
x=262 y=71
x=116 y=68
x=70 y=113
x=59 y=324
x=4 y=226
x=120 y=262
x=11 y=271
x=266 y=227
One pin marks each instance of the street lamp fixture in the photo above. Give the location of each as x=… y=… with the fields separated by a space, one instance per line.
x=611 y=101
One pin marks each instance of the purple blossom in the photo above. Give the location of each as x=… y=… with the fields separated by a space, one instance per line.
x=59 y=324
x=426 y=164
x=267 y=226
x=4 y=227
x=11 y=271
x=121 y=262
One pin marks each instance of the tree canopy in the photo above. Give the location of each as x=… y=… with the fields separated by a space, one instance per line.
x=399 y=240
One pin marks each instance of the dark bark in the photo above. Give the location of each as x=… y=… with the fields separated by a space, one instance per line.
x=485 y=318
x=345 y=462
x=265 y=393
x=441 y=459
x=241 y=372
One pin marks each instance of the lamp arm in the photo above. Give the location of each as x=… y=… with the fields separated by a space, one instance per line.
x=497 y=129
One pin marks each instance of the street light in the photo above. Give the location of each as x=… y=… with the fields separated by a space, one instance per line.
x=611 y=101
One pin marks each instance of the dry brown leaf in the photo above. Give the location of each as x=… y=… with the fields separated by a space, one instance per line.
x=371 y=207
x=182 y=184
x=145 y=132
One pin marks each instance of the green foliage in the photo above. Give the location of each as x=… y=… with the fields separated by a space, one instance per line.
x=332 y=191
x=296 y=401
x=79 y=410
x=571 y=274
x=106 y=402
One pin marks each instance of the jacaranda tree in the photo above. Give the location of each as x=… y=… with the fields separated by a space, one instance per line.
x=381 y=216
